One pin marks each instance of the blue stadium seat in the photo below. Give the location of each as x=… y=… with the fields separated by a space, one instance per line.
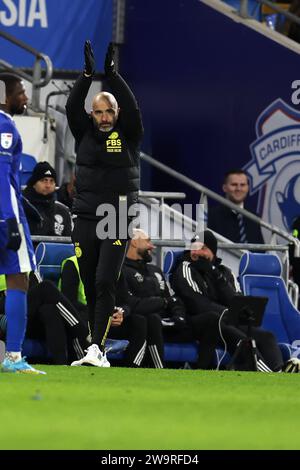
x=49 y=257
x=260 y=274
x=28 y=163
x=36 y=349
x=170 y=260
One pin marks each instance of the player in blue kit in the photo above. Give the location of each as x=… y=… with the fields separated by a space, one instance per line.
x=16 y=250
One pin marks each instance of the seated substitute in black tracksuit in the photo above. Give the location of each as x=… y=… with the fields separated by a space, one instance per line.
x=207 y=288
x=150 y=296
x=53 y=319
x=107 y=183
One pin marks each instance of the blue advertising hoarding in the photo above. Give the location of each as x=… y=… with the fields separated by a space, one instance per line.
x=57 y=28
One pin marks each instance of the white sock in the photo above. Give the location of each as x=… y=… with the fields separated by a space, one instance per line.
x=13 y=356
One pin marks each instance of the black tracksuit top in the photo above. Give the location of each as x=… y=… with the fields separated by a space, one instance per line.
x=148 y=291
x=107 y=163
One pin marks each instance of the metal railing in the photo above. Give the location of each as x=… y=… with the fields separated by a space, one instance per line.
x=37 y=79
x=203 y=190
x=158 y=198
x=243 y=10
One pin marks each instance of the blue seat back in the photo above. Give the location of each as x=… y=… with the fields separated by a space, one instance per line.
x=28 y=163
x=49 y=257
x=260 y=274
x=170 y=261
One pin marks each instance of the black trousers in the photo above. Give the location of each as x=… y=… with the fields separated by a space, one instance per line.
x=266 y=344
x=51 y=317
x=134 y=329
x=154 y=356
x=100 y=263
x=204 y=327
x=200 y=328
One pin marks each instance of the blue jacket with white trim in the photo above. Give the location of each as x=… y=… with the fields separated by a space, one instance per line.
x=10 y=160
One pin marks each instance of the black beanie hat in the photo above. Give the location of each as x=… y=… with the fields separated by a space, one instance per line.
x=40 y=171
x=208 y=238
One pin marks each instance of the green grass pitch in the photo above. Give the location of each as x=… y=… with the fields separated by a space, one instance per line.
x=118 y=408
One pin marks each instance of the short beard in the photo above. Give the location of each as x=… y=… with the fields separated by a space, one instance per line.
x=145 y=255
x=98 y=128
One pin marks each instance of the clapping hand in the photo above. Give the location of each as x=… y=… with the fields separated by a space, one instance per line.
x=89 y=60
x=109 y=65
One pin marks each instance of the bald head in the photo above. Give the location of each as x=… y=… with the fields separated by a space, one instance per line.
x=140 y=246
x=139 y=233
x=105 y=111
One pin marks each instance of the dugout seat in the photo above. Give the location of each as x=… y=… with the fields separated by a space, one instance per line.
x=36 y=350
x=49 y=257
x=28 y=163
x=260 y=274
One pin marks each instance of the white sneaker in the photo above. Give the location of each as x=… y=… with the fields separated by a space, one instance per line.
x=94 y=357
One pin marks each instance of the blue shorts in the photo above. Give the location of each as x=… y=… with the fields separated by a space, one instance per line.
x=21 y=261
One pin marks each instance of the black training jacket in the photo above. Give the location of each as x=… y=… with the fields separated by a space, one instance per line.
x=148 y=291
x=107 y=163
x=200 y=290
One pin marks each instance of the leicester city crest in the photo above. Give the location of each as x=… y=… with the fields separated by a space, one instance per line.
x=274 y=170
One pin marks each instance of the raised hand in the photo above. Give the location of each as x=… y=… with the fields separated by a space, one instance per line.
x=89 y=60
x=109 y=65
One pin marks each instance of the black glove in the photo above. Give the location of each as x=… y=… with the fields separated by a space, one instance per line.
x=89 y=60
x=109 y=65
x=13 y=234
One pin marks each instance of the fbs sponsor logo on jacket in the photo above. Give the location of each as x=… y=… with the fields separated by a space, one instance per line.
x=113 y=143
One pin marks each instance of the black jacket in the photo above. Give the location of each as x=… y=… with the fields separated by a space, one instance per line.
x=149 y=292
x=55 y=217
x=204 y=286
x=223 y=220
x=107 y=163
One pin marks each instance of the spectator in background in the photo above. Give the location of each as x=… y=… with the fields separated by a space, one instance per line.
x=124 y=325
x=66 y=192
x=229 y=223
x=207 y=288
x=52 y=217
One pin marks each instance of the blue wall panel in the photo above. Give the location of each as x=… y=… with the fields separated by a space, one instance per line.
x=202 y=80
